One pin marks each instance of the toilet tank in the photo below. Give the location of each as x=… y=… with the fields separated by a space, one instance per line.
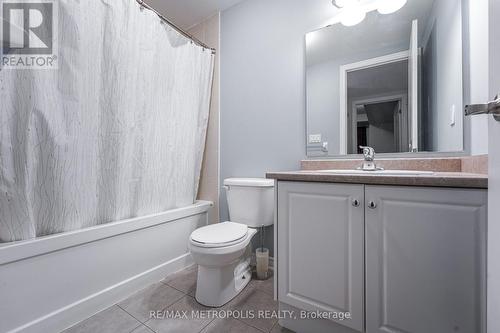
x=250 y=200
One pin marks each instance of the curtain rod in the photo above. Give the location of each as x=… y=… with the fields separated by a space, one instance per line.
x=173 y=25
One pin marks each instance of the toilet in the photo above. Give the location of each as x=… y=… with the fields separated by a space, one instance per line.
x=223 y=250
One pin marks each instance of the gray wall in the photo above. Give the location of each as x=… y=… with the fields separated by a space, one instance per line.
x=443 y=77
x=381 y=137
x=262 y=86
x=322 y=100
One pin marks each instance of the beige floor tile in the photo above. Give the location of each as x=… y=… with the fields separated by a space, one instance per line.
x=142 y=329
x=183 y=272
x=229 y=326
x=255 y=300
x=111 y=320
x=169 y=295
x=266 y=286
x=181 y=325
x=279 y=329
x=184 y=281
x=153 y=298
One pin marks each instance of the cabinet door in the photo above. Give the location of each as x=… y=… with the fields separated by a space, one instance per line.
x=425 y=260
x=321 y=248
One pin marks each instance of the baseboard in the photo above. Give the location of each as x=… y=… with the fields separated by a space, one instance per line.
x=69 y=315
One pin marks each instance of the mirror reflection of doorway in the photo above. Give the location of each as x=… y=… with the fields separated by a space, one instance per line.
x=378 y=112
x=381 y=124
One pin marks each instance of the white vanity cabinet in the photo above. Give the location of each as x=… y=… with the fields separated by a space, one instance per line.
x=398 y=258
x=320 y=248
x=425 y=259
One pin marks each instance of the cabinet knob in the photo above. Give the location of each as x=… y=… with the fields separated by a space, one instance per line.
x=355 y=202
x=372 y=205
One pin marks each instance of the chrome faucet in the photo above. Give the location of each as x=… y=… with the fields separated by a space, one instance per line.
x=369 y=162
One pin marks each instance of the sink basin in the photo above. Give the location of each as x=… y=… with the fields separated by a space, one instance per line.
x=379 y=172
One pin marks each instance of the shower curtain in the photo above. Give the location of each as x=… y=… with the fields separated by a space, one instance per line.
x=117 y=131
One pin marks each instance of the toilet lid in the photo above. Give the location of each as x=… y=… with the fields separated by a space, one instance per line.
x=220 y=233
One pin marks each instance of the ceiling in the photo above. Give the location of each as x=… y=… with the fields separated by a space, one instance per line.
x=187 y=13
x=378 y=80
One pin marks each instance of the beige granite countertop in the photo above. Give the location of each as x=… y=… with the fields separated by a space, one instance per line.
x=437 y=179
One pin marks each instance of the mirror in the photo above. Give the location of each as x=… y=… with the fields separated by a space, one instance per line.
x=393 y=81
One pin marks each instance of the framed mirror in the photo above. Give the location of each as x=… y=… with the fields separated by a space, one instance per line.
x=392 y=81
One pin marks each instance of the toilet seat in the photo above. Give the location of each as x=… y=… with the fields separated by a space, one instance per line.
x=219 y=234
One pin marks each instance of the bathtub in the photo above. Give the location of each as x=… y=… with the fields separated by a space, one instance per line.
x=50 y=283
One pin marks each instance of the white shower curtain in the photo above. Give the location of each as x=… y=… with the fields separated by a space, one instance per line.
x=117 y=131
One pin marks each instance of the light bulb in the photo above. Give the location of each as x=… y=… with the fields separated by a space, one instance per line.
x=340 y=3
x=390 y=6
x=352 y=14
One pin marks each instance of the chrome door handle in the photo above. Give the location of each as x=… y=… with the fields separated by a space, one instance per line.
x=372 y=205
x=492 y=107
x=355 y=202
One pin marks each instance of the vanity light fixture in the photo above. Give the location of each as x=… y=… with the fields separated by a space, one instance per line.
x=354 y=11
x=390 y=6
x=351 y=12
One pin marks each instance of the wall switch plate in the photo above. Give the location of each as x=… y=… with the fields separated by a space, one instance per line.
x=452 y=115
x=315 y=138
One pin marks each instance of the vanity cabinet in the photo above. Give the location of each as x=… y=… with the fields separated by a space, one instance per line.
x=321 y=248
x=398 y=258
x=425 y=259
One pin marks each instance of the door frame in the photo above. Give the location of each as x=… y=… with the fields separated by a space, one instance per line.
x=414 y=86
x=343 y=70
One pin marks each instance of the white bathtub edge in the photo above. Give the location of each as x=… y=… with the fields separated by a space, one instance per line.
x=14 y=251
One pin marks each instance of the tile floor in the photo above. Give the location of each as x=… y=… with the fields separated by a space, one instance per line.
x=176 y=292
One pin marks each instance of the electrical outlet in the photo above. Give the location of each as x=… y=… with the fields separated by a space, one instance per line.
x=315 y=138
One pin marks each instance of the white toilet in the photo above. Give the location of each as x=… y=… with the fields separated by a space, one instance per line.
x=223 y=250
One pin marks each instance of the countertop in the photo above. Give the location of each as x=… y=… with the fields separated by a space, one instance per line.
x=437 y=179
